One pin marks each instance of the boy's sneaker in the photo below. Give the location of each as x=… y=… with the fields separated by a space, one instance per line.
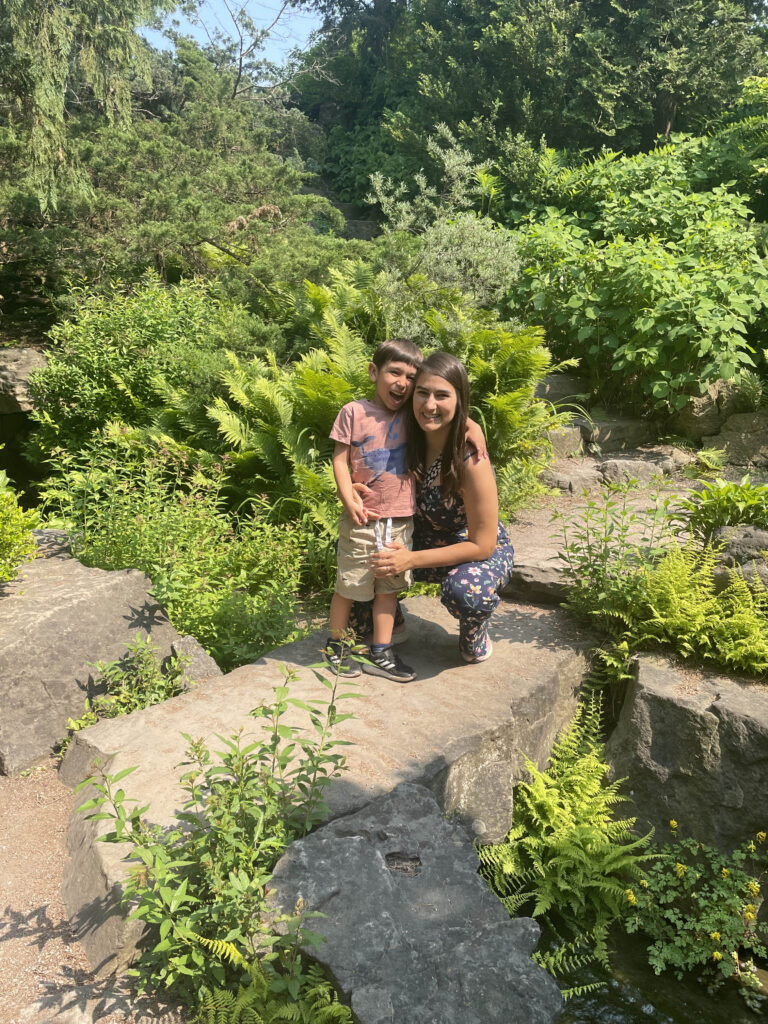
x=338 y=656
x=387 y=663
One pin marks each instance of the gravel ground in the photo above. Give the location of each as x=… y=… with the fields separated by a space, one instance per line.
x=44 y=973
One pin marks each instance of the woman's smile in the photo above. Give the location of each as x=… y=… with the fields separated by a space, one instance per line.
x=434 y=402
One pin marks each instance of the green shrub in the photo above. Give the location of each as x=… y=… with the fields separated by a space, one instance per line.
x=206 y=878
x=231 y=581
x=17 y=545
x=652 y=319
x=724 y=503
x=699 y=907
x=567 y=859
x=138 y=680
x=112 y=361
x=646 y=593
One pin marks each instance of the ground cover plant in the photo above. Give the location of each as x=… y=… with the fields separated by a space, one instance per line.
x=699 y=908
x=201 y=885
x=137 y=680
x=645 y=588
x=17 y=544
x=726 y=503
x=230 y=580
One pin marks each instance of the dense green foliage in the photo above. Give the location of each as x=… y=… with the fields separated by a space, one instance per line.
x=206 y=877
x=629 y=576
x=16 y=541
x=567 y=859
x=699 y=907
x=510 y=72
x=230 y=580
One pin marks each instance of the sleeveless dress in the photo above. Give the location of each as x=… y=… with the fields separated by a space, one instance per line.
x=469 y=591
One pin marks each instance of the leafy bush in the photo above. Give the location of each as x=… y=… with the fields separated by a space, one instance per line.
x=206 y=878
x=647 y=594
x=724 y=503
x=699 y=908
x=230 y=580
x=113 y=359
x=17 y=544
x=655 y=319
x=138 y=680
x=567 y=858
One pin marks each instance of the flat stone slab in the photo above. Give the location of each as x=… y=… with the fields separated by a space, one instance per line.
x=414 y=935
x=56 y=619
x=461 y=729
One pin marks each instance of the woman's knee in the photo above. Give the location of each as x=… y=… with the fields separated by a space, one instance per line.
x=465 y=594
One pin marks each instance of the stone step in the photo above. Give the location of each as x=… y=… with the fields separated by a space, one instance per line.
x=460 y=729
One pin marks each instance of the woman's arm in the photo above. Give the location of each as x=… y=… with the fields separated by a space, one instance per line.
x=482 y=504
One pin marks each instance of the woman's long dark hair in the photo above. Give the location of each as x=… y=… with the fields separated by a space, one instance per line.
x=442 y=364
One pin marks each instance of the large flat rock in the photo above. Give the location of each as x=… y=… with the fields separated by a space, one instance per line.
x=460 y=729
x=56 y=620
x=414 y=935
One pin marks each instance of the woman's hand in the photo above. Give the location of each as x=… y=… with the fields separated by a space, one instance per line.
x=392 y=560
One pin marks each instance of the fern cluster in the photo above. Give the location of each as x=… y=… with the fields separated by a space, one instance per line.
x=567 y=859
x=257 y=1002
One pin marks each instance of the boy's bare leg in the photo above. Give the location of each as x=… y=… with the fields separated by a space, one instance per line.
x=340 y=609
x=384 y=608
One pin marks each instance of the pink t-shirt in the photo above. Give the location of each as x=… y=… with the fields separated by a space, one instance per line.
x=376 y=439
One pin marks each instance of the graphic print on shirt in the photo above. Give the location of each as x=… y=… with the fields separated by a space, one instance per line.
x=383 y=460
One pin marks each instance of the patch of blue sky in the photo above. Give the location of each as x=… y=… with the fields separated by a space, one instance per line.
x=291 y=31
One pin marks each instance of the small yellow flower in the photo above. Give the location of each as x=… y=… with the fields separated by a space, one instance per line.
x=672 y=824
x=717 y=955
x=749 y=916
x=761 y=837
x=680 y=869
x=752 y=848
x=753 y=887
x=726 y=872
x=631 y=897
x=645 y=884
x=715 y=936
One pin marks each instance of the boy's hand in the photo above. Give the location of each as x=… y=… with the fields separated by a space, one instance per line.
x=355 y=509
x=476 y=438
x=361 y=492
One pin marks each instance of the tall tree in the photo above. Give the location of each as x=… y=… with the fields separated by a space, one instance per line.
x=48 y=45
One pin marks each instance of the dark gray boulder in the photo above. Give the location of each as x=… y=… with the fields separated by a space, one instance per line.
x=414 y=936
x=56 y=620
x=694 y=746
x=741 y=544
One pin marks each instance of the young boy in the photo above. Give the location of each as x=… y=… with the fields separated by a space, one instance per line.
x=370 y=438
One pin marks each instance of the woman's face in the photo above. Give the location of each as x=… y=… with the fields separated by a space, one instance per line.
x=434 y=402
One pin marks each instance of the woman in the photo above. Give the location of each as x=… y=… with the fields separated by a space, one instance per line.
x=458 y=540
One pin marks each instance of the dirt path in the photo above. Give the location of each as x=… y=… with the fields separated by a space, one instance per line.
x=44 y=974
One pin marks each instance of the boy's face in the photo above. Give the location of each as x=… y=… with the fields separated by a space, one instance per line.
x=394 y=383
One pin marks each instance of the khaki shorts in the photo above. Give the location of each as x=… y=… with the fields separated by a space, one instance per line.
x=354 y=576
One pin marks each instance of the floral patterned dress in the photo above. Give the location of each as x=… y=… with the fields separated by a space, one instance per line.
x=470 y=590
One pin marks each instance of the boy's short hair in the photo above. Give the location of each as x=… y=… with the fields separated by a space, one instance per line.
x=397 y=350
